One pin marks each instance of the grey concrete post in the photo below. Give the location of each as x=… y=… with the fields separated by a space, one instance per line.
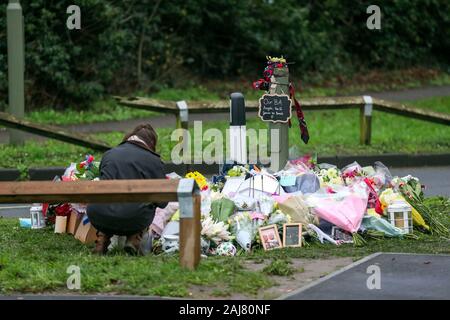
x=279 y=143
x=16 y=68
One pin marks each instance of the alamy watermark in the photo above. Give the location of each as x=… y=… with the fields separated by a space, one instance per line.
x=374 y=280
x=218 y=148
x=74 y=280
x=374 y=21
x=74 y=20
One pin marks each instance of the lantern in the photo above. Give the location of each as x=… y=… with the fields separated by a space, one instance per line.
x=400 y=215
x=37 y=217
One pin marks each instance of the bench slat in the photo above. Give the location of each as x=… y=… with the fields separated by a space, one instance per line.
x=89 y=191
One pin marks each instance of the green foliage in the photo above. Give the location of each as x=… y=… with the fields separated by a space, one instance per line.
x=148 y=45
x=279 y=267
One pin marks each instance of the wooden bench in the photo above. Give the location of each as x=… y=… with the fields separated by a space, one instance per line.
x=185 y=191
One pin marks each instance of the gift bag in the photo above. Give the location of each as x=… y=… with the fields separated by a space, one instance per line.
x=86 y=233
x=60 y=224
x=306 y=183
x=74 y=222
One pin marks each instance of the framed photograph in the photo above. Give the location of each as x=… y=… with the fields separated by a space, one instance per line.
x=292 y=235
x=270 y=238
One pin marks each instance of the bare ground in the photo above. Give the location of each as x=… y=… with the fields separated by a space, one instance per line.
x=307 y=270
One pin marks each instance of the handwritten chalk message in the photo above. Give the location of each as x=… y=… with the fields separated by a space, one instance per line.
x=275 y=108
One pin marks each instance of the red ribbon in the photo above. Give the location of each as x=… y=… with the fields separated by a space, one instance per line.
x=301 y=117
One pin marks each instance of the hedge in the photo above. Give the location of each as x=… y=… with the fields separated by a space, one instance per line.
x=130 y=45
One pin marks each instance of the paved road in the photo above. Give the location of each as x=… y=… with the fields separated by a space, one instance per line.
x=436 y=180
x=401 y=276
x=411 y=94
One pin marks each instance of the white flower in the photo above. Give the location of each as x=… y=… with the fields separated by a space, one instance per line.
x=332 y=173
x=215 y=231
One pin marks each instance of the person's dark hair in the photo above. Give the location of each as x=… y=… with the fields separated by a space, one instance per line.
x=146 y=133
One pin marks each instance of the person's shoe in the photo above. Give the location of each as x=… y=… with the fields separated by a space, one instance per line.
x=102 y=243
x=133 y=244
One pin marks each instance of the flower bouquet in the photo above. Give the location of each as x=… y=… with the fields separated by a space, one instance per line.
x=351 y=173
x=215 y=231
x=345 y=208
x=245 y=226
x=308 y=161
x=237 y=171
x=329 y=176
x=199 y=178
x=88 y=169
x=411 y=189
x=62 y=210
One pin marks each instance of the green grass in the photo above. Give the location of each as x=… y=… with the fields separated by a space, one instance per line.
x=34 y=261
x=190 y=94
x=337 y=132
x=332 y=133
x=101 y=111
x=279 y=267
x=109 y=110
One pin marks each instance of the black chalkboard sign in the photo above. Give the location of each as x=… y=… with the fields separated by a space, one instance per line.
x=275 y=108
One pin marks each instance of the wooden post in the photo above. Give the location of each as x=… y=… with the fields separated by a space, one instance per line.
x=16 y=66
x=365 y=121
x=189 y=200
x=190 y=229
x=280 y=151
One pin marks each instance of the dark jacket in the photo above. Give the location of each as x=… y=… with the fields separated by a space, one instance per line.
x=126 y=161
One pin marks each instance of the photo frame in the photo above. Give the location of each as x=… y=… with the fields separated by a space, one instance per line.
x=270 y=238
x=292 y=235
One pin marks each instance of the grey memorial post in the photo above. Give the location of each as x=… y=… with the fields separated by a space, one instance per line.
x=279 y=131
x=16 y=62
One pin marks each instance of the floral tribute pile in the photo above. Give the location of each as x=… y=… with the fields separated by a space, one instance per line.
x=246 y=207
